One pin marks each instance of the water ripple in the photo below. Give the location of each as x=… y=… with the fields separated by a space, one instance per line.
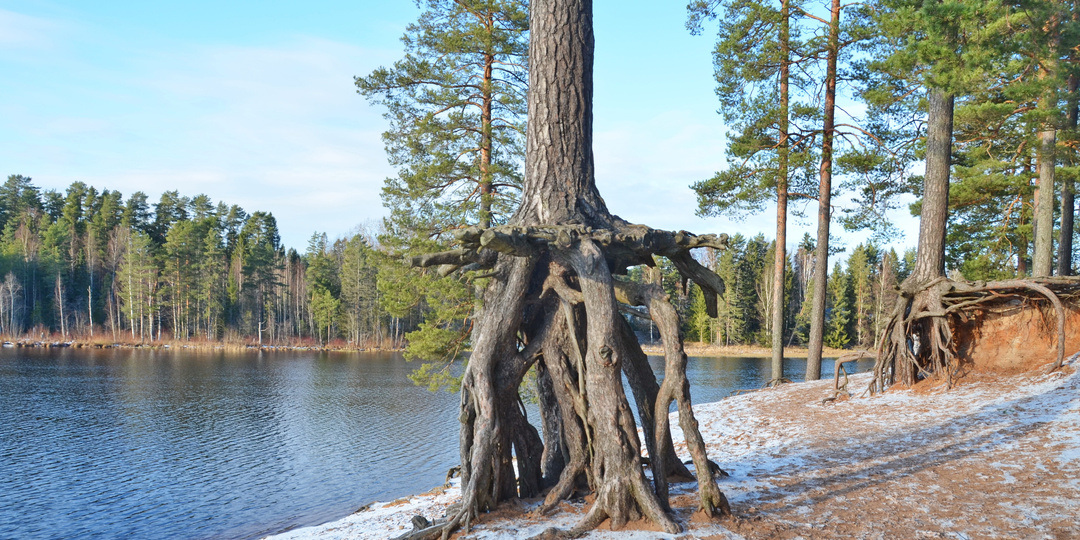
x=140 y=444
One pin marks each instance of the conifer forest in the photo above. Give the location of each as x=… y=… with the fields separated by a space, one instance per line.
x=93 y=265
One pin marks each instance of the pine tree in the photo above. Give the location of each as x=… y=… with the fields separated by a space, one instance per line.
x=862 y=268
x=884 y=298
x=359 y=293
x=769 y=151
x=456 y=106
x=260 y=252
x=731 y=316
x=1048 y=34
x=840 y=320
x=137 y=278
x=702 y=327
x=945 y=49
x=583 y=345
x=17 y=195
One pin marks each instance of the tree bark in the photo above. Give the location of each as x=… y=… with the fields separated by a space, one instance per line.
x=558 y=150
x=1068 y=189
x=821 y=254
x=1042 y=261
x=930 y=261
x=780 y=258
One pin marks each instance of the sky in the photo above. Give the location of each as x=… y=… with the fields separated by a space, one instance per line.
x=253 y=103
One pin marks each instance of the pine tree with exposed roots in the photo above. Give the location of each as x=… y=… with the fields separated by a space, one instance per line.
x=555 y=300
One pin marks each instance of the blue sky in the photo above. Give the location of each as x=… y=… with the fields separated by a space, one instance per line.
x=253 y=103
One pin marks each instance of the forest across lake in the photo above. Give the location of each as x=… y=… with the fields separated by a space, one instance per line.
x=99 y=267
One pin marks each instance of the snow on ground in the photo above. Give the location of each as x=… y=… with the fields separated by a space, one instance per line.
x=994 y=457
x=380 y=521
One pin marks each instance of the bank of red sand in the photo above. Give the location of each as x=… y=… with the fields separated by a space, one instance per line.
x=995 y=457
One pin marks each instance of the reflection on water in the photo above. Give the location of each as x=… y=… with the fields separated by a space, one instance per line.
x=175 y=445
x=143 y=444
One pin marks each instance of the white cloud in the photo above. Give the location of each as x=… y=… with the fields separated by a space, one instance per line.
x=19 y=33
x=277 y=128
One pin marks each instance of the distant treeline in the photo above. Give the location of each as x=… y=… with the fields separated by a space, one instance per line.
x=88 y=264
x=860 y=297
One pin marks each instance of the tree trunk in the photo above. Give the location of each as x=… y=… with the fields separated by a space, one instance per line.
x=930 y=261
x=899 y=358
x=821 y=253
x=780 y=258
x=552 y=302
x=1068 y=205
x=1042 y=261
x=560 y=185
x=487 y=190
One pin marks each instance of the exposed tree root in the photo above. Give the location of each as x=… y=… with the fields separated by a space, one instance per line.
x=840 y=389
x=918 y=340
x=675 y=388
x=552 y=301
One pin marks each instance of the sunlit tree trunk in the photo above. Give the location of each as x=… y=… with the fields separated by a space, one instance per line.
x=821 y=255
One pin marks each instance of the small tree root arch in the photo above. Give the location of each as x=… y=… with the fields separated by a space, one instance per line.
x=554 y=302
x=918 y=340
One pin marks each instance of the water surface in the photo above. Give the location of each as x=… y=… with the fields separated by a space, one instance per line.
x=152 y=444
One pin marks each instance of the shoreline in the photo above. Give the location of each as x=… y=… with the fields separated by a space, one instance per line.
x=710 y=350
x=912 y=462
x=651 y=349
x=208 y=346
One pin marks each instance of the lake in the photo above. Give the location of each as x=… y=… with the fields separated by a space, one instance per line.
x=116 y=443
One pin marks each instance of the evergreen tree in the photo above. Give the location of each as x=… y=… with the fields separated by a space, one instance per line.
x=324 y=285
x=1047 y=35
x=359 y=293
x=884 y=298
x=17 y=195
x=138 y=278
x=1005 y=139
x=171 y=208
x=211 y=271
x=456 y=106
x=753 y=63
x=731 y=313
x=260 y=252
x=137 y=213
x=862 y=268
x=702 y=327
x=92 y=263
x=840 y=320
x=804 y=278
